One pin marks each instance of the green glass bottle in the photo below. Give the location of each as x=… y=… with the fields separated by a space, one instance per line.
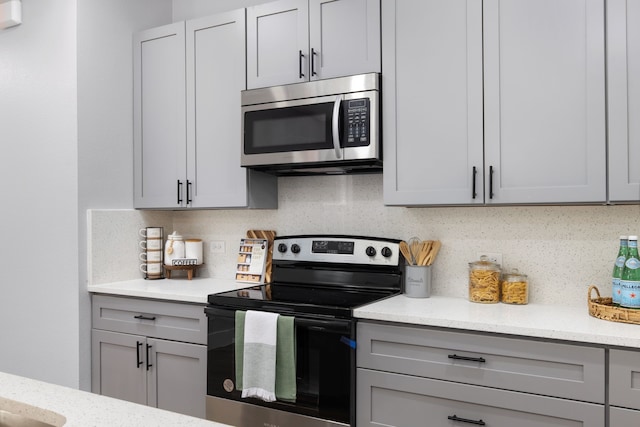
x=630 y=280
x=618 y=266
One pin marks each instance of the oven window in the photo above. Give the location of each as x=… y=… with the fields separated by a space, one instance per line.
x=323 y=366
x=305 y=127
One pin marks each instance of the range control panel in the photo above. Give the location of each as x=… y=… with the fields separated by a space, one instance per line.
x=343 y=250
x=356 y=122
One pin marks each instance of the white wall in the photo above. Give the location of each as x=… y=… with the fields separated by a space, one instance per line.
x=105 y=121
x=38 y=185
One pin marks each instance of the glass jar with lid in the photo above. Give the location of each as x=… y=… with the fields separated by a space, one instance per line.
x=514 y=288
x=484 y=281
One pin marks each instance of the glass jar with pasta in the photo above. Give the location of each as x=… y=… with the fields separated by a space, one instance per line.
x=514 y=288
x=484 y=281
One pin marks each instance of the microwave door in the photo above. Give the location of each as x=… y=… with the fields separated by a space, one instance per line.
x=289 y=132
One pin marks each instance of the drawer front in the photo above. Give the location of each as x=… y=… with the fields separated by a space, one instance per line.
x=619 y=417
x=546 y=368
x=406 y=401
x=158 y=319
x=624 y=378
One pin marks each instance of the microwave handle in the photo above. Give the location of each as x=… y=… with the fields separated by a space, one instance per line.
x=335 y=123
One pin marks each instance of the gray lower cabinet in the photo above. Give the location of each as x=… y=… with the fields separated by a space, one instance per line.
x=624 y=388
x=391 y=399
x=619 y=417
x=150 y=352
x=411 y=376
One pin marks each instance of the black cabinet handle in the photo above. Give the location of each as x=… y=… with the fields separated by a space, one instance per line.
x=313 y=62
x=301 y=55
x=179 y=192
x=148 y=358
x=491 y=182
x=138 y=361
x=189 y=192
x=143 y=317
x=470 y=359
x=466 y=420
x=473 y=183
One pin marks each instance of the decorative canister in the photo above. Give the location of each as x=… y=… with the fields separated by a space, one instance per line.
x=173 y=248
x=514 y=288
x=484 y=281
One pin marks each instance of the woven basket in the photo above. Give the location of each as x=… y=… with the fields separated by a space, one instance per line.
x=603 y=308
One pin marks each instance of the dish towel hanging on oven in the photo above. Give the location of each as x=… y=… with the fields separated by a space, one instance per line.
x=259 y=360
x=285 y=370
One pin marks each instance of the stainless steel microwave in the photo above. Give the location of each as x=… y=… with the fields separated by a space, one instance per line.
x=323 y=126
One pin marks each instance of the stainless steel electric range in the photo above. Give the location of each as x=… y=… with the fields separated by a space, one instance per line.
x=319 y=280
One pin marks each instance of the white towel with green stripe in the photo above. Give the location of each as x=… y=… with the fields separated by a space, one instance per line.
x=259 y=359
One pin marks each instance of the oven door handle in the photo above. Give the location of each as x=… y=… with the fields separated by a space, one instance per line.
x=335 y=126
x=324 y=325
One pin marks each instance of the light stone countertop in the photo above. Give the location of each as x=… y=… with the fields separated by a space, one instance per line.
x=37 y=400
x=531 y=320
x=182 y=290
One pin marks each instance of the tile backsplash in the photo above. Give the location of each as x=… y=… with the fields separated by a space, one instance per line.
x=563 y=249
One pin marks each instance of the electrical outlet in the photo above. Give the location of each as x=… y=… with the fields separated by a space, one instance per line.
x=217 y=247
x=493 y=256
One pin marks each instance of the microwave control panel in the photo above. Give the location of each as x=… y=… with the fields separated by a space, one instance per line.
x=356 y=122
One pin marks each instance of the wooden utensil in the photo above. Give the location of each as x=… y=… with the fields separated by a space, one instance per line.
x=406 y=252
x=433 y=252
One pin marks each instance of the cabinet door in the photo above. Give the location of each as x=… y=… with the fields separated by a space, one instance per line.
x=404 y=401
x=177 y=376
x=544 y=101
x=623 y=83
x=277 y=43
x=118 y=366
x=215 y=77
x=619 y=417
x=159 y=119
x=432 y=104
x=344 y=37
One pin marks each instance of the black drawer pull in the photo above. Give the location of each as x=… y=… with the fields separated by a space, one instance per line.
x=465 y=420
x=143 y=317
x=470 y=359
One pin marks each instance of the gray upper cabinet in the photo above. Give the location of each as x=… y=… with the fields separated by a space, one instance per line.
x=158 y=116
x=188 y=133
x=623 y=84
x=544 y=101
x=535 y=70
x=292 y=41
x=432 y=103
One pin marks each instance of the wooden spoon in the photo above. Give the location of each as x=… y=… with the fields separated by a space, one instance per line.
x=404 y=249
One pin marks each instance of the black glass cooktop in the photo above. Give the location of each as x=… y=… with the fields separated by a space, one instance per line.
x=285 y=298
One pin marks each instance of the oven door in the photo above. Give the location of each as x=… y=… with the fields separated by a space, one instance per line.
x=325 y=372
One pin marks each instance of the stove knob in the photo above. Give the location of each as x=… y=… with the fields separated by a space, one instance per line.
x=282 y=248
x=386 y=252
x=295 y=248
x=371 y=251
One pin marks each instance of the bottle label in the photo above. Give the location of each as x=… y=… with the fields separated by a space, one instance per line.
x=620 y=261
x=615 y=290
x=630 y=293
x=632 y=263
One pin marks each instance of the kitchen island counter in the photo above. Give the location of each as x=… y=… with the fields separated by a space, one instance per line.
x=83 y=409
x=532 y=320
